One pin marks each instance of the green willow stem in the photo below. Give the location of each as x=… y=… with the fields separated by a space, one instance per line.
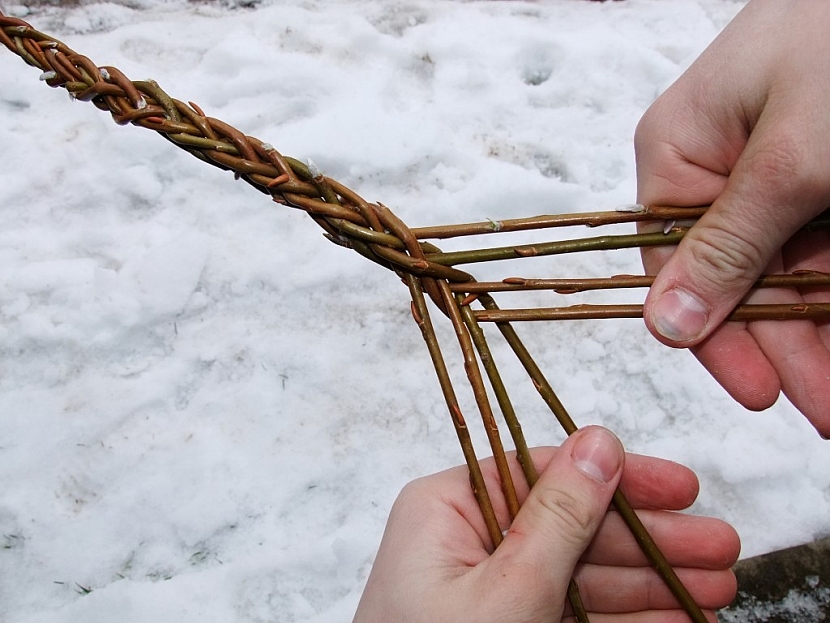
x=599 y=243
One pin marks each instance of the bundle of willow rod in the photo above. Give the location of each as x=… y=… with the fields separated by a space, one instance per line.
x=372 y=230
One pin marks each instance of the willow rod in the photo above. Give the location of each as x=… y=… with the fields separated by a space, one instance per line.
x=559 y=247
x=514 y=426
x=502 y=397
x=465 y=343
x=643 y=538
x=798 y=279
x=420 y=313
x=630 y=214
x=744 y=313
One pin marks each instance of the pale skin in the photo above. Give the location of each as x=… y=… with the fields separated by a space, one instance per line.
x=746 y=130
x=436 y=562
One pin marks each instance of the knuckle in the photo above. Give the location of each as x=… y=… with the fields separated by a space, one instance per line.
x=723 y=256
x=572 y=513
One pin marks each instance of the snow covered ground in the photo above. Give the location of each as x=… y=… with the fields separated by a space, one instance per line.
x=206 y=409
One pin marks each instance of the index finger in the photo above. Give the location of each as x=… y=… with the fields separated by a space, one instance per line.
x=647 y=482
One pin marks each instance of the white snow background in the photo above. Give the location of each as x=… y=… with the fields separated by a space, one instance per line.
x=206 y=409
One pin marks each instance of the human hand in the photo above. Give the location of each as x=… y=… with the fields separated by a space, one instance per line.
x=436 y=562
x=747 y=130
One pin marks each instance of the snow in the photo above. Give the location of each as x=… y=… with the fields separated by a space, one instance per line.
x=807 y=603
x=206 y=409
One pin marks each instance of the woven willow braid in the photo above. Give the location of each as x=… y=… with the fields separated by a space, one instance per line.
x=372 y=230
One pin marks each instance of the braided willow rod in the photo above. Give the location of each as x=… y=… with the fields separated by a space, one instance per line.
x=376 y=233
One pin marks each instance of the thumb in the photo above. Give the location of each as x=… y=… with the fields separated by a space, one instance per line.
x=560 y=517
x=771 y=192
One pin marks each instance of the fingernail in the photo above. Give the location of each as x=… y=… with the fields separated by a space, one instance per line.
x=678 y=315
x=597 y=453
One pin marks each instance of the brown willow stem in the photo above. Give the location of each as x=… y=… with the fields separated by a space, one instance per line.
x=539 y=382
x=575 y=599
x=590 y=219
x=599 y=243
x=647 y=544
x=499 y=389
x=628 y=214
x=656 y=557
x=483 y=402
x=742 y=313
x=560 y=286
x=799 y=279
x=421 y=314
